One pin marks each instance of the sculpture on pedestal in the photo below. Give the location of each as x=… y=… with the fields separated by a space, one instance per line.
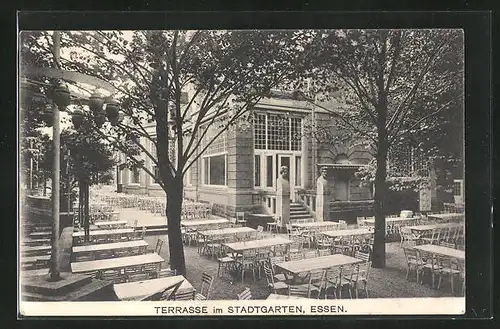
x=283 y=197
x=323 y=196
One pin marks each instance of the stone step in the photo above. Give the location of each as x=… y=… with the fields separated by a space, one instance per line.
x=299 y=212
x=300 y=216
x=70 y=282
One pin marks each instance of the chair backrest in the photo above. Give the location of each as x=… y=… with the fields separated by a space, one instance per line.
x=342 y=221
x=324 y=252
x=206 y=284
x=299 y=291
x=316 y=278
x=137 y=277
x=110 y=275
x=310 y=254
x=165 y=273
x=268 y=271
x=260 y=229
x=334 y=275
x=364 y=270
x=240 y=215
x=246 y=294
x=135 y=223
x=159 y=244
x=362 y=255
x=276 y=260
x=447 y=244
x=295 y=256
x=143 y=233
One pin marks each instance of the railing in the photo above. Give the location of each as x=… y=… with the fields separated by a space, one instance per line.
x=308 y=199
x=454 y=207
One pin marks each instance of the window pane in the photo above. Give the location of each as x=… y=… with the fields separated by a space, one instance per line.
x=257 y=171
x=218 y=170
x=296 y=134
x=206 y=172
x=260 y=131
x=298 y=171
x=269 y=171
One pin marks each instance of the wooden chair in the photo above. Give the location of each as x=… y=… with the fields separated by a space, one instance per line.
x=333 y=277
x=187 y=295
x=360 y=275
x=315 y=281
x=362 y=255
x=111 y=275
x=247 y=262
x=226 y=262
x=299 y=291
x=206 y=287
x=449 y=267
x=310 y=254
x=240 y=218
x=166 y=272
x=158 y=246
x=447 y=244
x=406 y=235
x=273 y=226
x=274 y=286
x=324 y=252
x=430 y=264
x=152 y=269
x=137 y=277
x=295 y=256
x=246 y=294
x=275 y=260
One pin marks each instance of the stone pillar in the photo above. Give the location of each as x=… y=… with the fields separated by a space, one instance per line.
x=323 y=196
x=283 y=197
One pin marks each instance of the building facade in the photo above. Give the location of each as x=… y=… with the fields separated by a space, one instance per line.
x=239 y=170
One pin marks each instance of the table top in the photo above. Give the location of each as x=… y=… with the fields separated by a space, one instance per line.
x=314 y=224
x=428 y=227
x=108 y=246
x=276 y=296
x=448 y=216
x=38 y=234
x=30 y=241
x=36 y=248
x=32 y=259
x=201 y=222
x=141 y=289
x=317 y=263
x=103 y=264
x=391 y=219
x=105 y=232
x=262 y=215
x=109 y=223
x=356 y=231
x=440 y=250
x=256 y=244
x=228 y=231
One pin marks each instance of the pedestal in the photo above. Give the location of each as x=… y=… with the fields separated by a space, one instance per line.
x=323 y=198
x=283 y=201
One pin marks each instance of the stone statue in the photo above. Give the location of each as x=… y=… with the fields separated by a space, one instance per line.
x=283 y=196
x=323 y=196
x=284 y=172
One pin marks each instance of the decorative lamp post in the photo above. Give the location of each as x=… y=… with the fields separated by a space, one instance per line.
x=96 y=102
x=112 y=111
x=77 y=118
x=61 y=96
x=48 y=114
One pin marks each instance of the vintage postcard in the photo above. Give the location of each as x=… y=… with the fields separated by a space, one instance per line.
x=241 y=172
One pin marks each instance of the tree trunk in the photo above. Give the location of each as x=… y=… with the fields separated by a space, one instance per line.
x=86 y=221
x=378 y=256
x=174 y=209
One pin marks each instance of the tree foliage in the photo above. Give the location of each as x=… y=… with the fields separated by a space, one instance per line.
x=184 y=83
x=392 y=88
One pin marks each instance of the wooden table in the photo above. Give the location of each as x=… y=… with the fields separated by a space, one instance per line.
x=314 y=225
x=449 y=217
x=110 y=223
x=238 y=231
x=280 y=297
x=317 y=263
x=443 y=251
x=35 y=249
x=257 y=244
x=134 y=291
x=203 y=222
x=32 y=259
x=41 y=234
x=353 y=232
x=35 y=242
x=120 y=262
x=110 y=246
x=77 y=236
x=429 y=227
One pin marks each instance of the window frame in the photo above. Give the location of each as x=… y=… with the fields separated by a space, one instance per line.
x=206 y=175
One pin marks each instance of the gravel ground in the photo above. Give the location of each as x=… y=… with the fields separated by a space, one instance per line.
x=389 y=282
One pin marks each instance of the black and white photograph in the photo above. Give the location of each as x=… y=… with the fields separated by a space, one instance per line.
x=241 y=172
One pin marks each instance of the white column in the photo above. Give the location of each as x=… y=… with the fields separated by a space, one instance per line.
x=304 y=163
